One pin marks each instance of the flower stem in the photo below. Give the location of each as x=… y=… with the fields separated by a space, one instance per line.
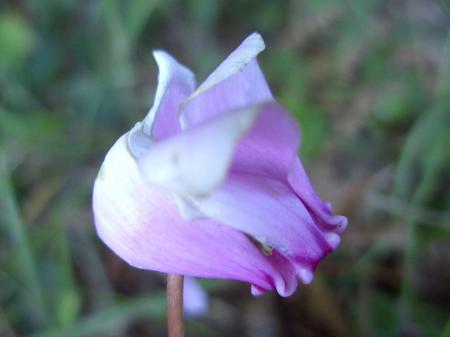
x=175 y=320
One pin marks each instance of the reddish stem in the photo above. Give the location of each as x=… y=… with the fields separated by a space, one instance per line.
x=175 y=321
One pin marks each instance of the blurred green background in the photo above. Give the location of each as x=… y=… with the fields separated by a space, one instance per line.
x=369 y=82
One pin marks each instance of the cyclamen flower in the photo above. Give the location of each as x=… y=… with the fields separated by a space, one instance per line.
x=209 y=184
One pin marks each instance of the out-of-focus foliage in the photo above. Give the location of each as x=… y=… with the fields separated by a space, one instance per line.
x=369 y=82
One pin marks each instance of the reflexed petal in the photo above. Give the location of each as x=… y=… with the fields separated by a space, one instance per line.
x=270 y=212
x=320 y=211
x=175 y=84
x=141 y=224
x=197 y=160
x=237 y=82
x=270 y=146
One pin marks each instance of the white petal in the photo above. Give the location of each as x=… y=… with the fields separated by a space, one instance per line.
x=195 y=161
x=175 y=83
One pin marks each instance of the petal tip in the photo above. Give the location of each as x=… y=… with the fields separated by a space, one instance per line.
x=333 y=239
x=256 y=39
x=257 y=291
x=170 y=72
x=234 y=63
x=341 y=223
x=166 y=63
x=305 y=275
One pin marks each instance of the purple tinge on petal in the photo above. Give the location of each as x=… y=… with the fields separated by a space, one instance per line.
x=237 y=82
x=269 y=211
x=195 y=298
x=175 y=84
x=270 y=145
x=320 y=211
x=141 y=223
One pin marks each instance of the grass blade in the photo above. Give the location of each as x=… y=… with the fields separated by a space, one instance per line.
x=14 y=226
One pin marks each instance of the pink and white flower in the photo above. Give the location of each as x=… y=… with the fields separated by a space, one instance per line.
x=209 y=184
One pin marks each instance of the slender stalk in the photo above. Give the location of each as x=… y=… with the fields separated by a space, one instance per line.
x=175 y=322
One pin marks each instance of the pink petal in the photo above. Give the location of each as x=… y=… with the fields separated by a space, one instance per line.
x=272 y=152
x=271 y=144
x=175 y=84
x=269 y=211
x=141 y=223
x=237 y=82
x=320 y=211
